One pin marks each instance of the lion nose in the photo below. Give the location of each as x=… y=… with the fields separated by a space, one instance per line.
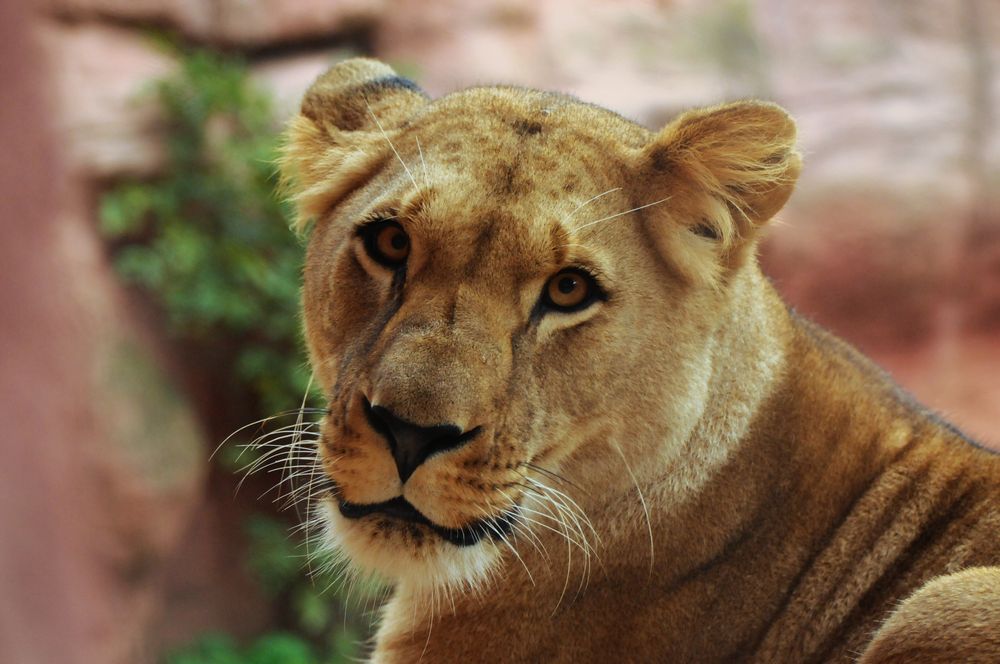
x=412 y=444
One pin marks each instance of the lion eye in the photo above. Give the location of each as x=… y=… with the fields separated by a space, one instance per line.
x=570 y=290
x=387 y=243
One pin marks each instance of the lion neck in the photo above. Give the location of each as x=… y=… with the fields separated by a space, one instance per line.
x=748 y=353
x=672 y=461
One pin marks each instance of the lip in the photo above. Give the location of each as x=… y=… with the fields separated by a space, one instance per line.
x=401 y=509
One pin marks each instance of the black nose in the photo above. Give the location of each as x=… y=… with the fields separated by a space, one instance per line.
x=412 y=444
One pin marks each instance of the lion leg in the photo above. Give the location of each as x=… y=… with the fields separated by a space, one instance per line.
x=953 y=618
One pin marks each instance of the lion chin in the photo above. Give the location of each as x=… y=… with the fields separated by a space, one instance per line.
x=400 y=548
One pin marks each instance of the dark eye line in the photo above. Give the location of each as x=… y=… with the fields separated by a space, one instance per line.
x=375 y=220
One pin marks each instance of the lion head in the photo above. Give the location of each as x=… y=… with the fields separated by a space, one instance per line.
x=505 y=286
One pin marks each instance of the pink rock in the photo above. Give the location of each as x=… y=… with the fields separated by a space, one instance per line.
x=249 y=23
x=106 y=114
x=190 y=17
x=261 y=22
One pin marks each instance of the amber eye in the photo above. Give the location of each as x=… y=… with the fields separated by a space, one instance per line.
x=570 y=290
x=386 y=242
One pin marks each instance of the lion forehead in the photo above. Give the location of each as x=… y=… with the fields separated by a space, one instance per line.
x=521 y=143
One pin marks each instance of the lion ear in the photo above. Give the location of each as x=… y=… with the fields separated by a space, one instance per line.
x=726 y=170
x=345 y=124
x=360 y=94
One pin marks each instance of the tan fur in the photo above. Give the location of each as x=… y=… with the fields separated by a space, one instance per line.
x=699 y=474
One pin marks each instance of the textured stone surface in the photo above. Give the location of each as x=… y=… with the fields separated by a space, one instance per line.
x=103 y=459
x=105 y=114
x=142 y=466
x=190 y=17
x=247 y=23
x=44 y=583
x=262 y=22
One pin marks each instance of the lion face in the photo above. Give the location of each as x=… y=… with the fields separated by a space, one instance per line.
x=499 y=286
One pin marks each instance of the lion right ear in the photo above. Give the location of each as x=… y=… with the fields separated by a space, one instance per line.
x=346 y=122
x=726 y=171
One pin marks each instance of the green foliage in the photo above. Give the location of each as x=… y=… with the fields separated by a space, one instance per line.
x=275 y=648
x=208 y=238
x=209 y=242
x=270 y=649
x=276 y=560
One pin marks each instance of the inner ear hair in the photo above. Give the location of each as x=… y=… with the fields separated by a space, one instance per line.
x=705 y=229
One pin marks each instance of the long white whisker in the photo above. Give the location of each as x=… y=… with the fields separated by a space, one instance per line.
x=588 y=202
x=531 y=537
x=261 y=422
x=583 y=544
x=500 y=536
x=645 y=508
x=257 y=464
x=420 y=151
x=559 y=499
x=575 y=507
x=310 y=483
x=394 y=151
x=620 y=214
x=297 y=440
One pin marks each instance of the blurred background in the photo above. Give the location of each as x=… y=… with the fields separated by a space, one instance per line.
x=149 y=291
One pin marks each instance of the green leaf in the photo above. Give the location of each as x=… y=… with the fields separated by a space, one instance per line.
x=345 y=648
x=209 y=649
x=281 y=649
x=273 y=558
x=208 y=242
x=313 y=611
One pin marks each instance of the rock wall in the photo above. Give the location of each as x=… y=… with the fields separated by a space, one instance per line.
x=893 y=240
x=103 y=461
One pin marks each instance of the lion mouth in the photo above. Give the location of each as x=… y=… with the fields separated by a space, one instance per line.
x=401 y=509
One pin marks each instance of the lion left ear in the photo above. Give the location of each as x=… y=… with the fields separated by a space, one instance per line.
x=360 y=94
x=347 y=119
x=726 y=170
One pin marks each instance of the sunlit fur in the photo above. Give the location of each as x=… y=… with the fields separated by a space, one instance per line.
x=696 y=473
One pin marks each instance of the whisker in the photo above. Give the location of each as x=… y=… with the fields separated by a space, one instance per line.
x=563 y=509
x=531 y=537
x=256 y=465
x=572 y=506
x=273 y=447
x=420 y=151
x=261 y=422
x=500 y=536
x=300 y=431
x=620 y=214
x=394 y=151
x=553 y=475
x=297 y=440
x=569 y=565
x=588 y=202
x=642 y=499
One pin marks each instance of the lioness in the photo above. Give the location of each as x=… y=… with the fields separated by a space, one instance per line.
x=572 y=421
